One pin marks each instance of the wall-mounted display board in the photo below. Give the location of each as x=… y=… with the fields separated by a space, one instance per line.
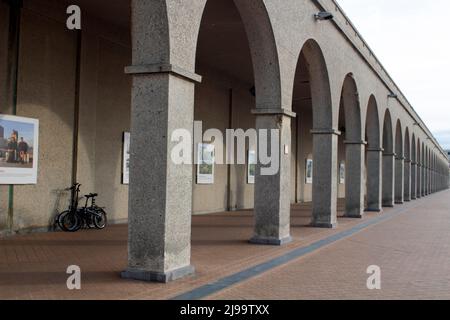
x=19 y=150
x=205 y=166
x=126 y=158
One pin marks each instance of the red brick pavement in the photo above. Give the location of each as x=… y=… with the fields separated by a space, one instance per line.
x=33 y=266
x=412 y=249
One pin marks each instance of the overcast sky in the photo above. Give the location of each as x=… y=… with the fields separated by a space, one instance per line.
x=411 y=38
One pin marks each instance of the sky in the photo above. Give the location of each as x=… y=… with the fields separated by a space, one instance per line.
x=26 y=130
x=411 y=38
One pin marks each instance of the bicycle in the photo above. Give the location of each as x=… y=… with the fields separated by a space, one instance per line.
x=92 y=215
x=68 y=219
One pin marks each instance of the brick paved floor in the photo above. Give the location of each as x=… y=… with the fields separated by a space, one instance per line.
x=412 y=248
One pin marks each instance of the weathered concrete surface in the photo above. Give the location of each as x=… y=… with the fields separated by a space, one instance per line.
x=374 y=179
x=160 y=206
x=272 y=192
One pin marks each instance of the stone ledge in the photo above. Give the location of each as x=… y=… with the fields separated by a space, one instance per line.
x=273 y=111
x=360 y=142
x=326 y=131
x=163 y=68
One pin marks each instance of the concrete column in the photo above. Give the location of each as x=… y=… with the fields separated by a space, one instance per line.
x=374 y=180
x=354 y=178
x=423 y=180
x=325 y=178
x=434 y=181
x=419 y=181
x=407 y=179
x=388 y=179
x=272 y=192
x=160 y=191
x=413 y=180
x=399 y=180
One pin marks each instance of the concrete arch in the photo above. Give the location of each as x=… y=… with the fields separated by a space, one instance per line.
x=263 y=49
x=320 y=85
x=374 y=157
x=424 y=169
x=419 y=168
x=414 y=167
x=350 y=120
x=373 y=131
x=325 y=137
x=388 y=161
x=350 y=106
x=407 y=166
x=388 y=135
x=272 y=223
x=399 y=141
x=399 y=163
x=165 y=38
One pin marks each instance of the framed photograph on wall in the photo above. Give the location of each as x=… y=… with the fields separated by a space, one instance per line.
x=342 y=173
x=206 y=161
x=309 y=171
x=126 y=158
x=251 y=167
x=19 y=150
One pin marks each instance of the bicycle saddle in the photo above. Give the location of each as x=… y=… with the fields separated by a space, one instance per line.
x=91 y=195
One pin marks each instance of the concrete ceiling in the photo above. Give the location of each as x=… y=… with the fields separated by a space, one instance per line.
x=223 y=43
x=117 y=12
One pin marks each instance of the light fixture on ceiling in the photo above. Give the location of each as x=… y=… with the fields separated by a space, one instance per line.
x=323 y=15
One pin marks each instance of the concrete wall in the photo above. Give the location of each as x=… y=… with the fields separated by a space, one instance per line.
x=104 y=116
x=46 y=92
x=219 y=102
x=105 y=95
x=303 y=139
x=4 y=21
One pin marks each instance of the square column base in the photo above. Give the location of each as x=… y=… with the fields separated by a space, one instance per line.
x=324 y=225
x=270 y=241
x=354 y=216
x=374 y=210
x=150 y=276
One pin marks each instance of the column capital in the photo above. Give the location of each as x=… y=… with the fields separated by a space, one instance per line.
x=326 y=131
x=375 y=150
x=273 y=112
x=400 y=158
x=389 y=154
x=360 y=142
x=163 y=68
x=408 y=161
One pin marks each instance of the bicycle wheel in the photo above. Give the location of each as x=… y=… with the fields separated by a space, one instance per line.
x=72 y=222
x=99 y=218
x=60 y=220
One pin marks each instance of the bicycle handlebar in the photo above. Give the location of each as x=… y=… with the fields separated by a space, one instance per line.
x=75 y=186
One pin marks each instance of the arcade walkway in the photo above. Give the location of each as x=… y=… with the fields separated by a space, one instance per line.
x=411 y=244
